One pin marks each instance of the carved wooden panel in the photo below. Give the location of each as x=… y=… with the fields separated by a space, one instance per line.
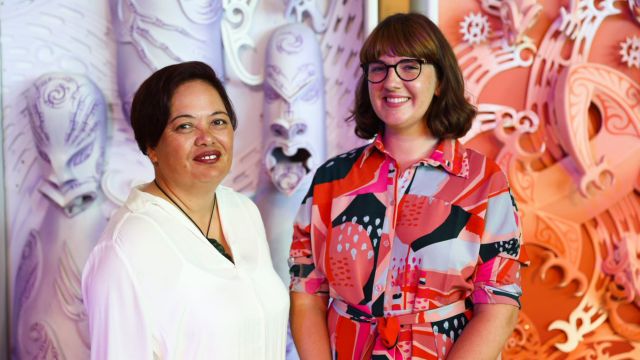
x=557 y=85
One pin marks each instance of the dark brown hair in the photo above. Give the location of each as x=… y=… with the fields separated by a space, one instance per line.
x=151 y=106
x=413 y=35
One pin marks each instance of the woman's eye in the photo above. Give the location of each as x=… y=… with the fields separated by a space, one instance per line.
x=410 y=67
x=184 y=127
x=219 y=122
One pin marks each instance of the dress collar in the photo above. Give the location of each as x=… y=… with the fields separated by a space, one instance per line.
x=450 y=154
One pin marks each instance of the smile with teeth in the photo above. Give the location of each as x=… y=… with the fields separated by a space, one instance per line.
x=208 y=157
x=397 y=100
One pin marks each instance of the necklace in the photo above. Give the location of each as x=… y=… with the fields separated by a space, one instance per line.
x=216 y=244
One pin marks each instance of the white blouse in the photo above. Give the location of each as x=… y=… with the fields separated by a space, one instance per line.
x=154 y=287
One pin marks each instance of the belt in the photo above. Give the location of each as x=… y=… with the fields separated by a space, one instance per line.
x=388 y=328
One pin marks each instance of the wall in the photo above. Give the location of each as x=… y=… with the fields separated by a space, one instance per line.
x=557 y=85
x=70 y=67
x=558 y=109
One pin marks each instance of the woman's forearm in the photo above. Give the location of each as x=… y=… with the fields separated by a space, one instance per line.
x=309 y=326
x=486 y=333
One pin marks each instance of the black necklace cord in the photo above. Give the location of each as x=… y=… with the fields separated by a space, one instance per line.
x=185 y=213
x=216 y=244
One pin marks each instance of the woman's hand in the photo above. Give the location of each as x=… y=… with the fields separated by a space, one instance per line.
x=309 y=326
x=486 y=333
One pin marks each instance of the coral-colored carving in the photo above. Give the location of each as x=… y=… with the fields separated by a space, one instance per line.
x=475 y=28
x=560 y=113
x=517 y=17
x=524 y=343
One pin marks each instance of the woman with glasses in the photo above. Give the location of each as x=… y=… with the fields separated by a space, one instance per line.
x=409 y=247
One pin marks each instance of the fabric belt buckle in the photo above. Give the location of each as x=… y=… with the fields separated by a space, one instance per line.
x=388 y=330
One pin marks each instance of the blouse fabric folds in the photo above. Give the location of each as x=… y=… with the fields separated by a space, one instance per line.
x=405 y=256
x=154 y=288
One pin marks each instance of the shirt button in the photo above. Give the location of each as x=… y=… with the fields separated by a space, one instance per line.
x=392 y=202
x=385 y=243
x=379 y=288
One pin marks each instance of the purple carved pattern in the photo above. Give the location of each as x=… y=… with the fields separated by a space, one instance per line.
x=292 y=86
x=55 y=92
x=137 y=24
x=42 y=343
x=27 y=275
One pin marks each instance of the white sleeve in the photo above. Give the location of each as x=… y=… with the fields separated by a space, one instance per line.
x=118 y=327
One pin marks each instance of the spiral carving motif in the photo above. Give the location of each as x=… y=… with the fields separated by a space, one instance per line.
x=289 y=43
x=57 y=91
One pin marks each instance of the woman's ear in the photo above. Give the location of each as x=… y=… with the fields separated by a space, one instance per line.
x=153 y=155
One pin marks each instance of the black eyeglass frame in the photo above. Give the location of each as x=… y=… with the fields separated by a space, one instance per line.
x=365 y=69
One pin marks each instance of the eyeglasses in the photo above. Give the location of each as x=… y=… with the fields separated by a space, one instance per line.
x=406 y=69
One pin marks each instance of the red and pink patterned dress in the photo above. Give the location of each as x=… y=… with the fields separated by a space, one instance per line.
x=404 y=256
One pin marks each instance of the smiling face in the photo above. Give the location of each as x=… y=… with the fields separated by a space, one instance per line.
x=400 y=104
x=196 y=147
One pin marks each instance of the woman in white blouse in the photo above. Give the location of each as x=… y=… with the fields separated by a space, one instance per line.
x=183 y=271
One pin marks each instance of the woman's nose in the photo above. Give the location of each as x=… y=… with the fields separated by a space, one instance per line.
x=204 y=136
x=392 y=80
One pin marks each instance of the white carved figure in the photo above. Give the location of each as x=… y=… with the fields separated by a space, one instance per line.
x=67 y=115
x=293 y=107
x=236 y=27
x=340 y=46
x=296 y=9
x=293 y=136
x=152 y=34
x=293 y=133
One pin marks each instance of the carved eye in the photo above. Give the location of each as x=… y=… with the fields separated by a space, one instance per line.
x=299 y=129
x=311 y=93
x=270 y=95
x=44 y=156
x=81 y=155
x=279 y=131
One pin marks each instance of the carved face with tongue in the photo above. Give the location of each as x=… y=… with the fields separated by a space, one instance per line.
x=294 y=134
x=67 y=115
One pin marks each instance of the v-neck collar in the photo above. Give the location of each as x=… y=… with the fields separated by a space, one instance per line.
x=179 y=216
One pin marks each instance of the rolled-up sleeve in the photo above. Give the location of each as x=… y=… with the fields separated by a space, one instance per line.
x=308 y=235
x=497 y=276
x=118 y=327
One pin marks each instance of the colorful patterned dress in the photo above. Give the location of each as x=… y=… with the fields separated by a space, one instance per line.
x=404 y=256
